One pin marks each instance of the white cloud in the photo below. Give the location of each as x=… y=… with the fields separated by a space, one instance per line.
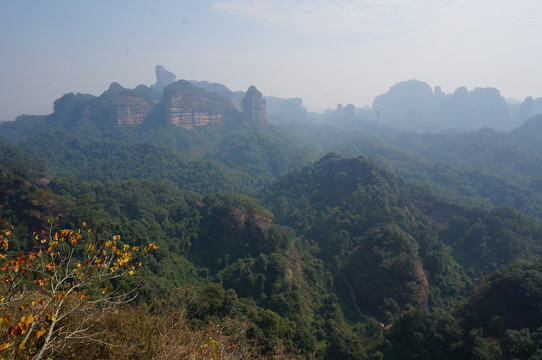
x=450 y=43
x=382 y=16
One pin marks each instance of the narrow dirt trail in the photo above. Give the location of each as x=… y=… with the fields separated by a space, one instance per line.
x=363 y=316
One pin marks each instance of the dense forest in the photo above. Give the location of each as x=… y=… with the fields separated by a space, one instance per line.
x=322 y=236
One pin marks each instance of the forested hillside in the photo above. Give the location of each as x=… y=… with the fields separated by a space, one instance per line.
x=483 y=168
x=302 y=238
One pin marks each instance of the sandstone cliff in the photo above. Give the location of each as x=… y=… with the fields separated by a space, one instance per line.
x=254 y=107
x=188 y=106
x=181 y=104
x=116 y=106
x=126 y=110
x=239 y=223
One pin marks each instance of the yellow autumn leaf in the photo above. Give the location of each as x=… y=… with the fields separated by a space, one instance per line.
x=27 y=319
x=39 y=333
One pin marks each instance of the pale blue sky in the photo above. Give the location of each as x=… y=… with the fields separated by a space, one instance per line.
x=326 y=52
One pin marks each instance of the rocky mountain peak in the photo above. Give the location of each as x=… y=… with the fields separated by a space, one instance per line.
x=163 y=78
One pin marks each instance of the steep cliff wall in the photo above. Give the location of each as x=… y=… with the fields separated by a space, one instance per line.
x=188 y=106
x=254 y=107
x=181 y=103
x=190 y=120
x=122 y=110
x=115 y=107
x=179 y=110
x=128 y=110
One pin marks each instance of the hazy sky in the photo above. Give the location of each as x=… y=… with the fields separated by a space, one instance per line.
x=326 y=52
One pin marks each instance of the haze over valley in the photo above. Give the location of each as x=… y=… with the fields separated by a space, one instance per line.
x=270 y=180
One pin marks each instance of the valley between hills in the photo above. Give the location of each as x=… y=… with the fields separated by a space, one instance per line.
x=186 y=220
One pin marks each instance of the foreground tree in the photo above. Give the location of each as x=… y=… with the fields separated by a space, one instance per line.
x=56 y=292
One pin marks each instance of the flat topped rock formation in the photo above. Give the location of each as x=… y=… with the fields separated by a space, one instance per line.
x=115 y=107
x=181 y=104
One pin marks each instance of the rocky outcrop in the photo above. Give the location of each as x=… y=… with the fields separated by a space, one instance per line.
x=115 y=107
x=258 y=228
x=121 y=110
x=181 y=104
x=292 y=107
x=163 y=78
x=235 y=96
x=178 y=114
x=254 y=110
x=418 y=288
x=239 y=223
x=127 y=110
x=189 y=106
x=233 y=225
x=70 y=105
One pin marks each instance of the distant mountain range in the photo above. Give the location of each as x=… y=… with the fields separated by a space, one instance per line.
x=410 y=105
x=413 y=105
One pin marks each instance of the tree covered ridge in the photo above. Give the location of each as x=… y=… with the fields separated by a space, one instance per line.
x=336 y=259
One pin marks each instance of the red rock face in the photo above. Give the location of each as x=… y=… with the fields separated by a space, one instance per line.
x=179 y=111
x=254 y=107
x=259 y=230
x=419 y=288
x=235 y=225
x=128 y=110
x=124 y=110
x=190 y=120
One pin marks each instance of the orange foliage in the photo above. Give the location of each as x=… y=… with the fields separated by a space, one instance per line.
x=51 y=287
